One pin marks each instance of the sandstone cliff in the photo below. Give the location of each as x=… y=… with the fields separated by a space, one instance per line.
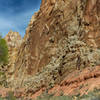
x=14 y=41
x=61 y=37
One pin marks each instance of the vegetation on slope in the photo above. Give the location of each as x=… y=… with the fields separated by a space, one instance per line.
x=3 y=61
x=94 y=95
x=3 y=52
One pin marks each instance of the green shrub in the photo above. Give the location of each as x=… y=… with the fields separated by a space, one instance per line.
x=46 y=96
x=1 y=98
x=11 y=96
x=3 y=51
x=93 y=95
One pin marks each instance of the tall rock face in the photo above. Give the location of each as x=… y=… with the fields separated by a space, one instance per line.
x=14 y=41
x=92 y=22
x=62 y=36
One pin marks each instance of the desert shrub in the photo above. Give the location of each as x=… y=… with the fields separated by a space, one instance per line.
x=46 y=96
x=96 y=98
x=11 y=96
x=54 y=98
x=3 y=51
x=93 y=95
x=1 y=98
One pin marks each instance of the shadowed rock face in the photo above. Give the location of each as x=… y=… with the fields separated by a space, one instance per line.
x=63 y=29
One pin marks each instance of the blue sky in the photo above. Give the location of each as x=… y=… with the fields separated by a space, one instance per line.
x=15 y=14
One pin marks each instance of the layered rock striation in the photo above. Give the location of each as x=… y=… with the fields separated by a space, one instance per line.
x=61 y=37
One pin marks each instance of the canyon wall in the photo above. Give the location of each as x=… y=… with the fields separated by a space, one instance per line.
x=61 y=37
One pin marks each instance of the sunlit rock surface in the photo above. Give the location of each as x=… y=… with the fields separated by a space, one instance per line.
x=14 y=41
x=61 y=37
